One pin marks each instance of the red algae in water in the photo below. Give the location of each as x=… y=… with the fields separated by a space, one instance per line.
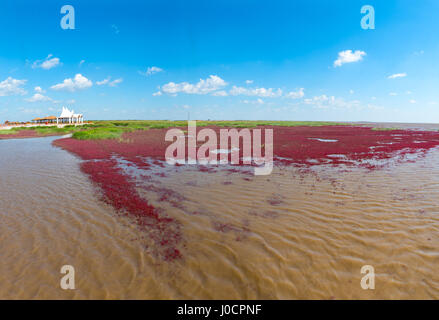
x=337 y=145
x=119 y=192
x=307 y=146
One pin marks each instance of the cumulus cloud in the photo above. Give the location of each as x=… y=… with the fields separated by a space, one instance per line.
x=47 y=63
x=348 y=56
x=150 y=71
x=296 y=94
x=12 y=86
x=108 y=82
x=249 y=81
x=397 y=75
x=257 y=92
x=39 y=89
x=38 y=97
x=79 y=82
x=157 y=94
x=204 y=86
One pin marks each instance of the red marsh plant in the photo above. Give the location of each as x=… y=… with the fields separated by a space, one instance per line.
x=306 y=146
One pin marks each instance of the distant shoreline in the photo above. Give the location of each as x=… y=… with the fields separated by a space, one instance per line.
x=114 y=128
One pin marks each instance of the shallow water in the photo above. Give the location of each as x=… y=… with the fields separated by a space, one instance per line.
x=296 y=234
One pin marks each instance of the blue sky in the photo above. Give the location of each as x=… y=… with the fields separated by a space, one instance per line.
x=221 y=59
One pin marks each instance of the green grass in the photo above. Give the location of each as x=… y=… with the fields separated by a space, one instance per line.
x=384 y=129
x=7 y=131
x=115 y=128
x=98 y=133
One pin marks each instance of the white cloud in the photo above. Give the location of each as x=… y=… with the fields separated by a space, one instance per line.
x=259 y=92
x=157 y=94
x=38 y=97
x=412 y=101
x=39 y=90
x=296 y=94
x=78 y=83
x=103 y=82
x=108 y=82
x=249 y=81
x=348 y=56
x=351 y=91
x=150 y=71
x=397 y=75
x=47 y=63
x=115 y=82
x=206 y=86
x=393 y=94
x=12 y=86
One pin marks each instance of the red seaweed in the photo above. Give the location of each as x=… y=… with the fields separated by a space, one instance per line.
x=305 y=146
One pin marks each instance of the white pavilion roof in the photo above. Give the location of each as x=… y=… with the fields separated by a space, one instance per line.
x=66 y=113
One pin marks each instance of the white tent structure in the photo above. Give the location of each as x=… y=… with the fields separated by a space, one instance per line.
x=70 y=117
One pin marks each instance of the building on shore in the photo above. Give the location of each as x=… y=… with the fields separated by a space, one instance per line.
x=66 y=117
x=70 y=117
x=47 y=120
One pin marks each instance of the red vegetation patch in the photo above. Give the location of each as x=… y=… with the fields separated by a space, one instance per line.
x=343 y=144
x=307 y=146
x=132 y=147
x=119 y=192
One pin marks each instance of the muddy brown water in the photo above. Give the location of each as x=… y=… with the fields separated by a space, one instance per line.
x=292 y=235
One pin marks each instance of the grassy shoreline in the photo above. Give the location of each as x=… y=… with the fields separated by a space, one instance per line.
x=113 y=129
